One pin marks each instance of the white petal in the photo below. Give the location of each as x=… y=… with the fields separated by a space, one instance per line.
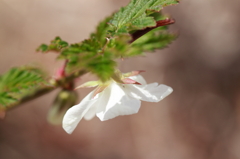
x=76 y=113
x=91 y=112
x=150 y=92
x=114 y=102
x=139 y=79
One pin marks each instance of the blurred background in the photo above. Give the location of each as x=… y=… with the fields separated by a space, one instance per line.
x=199 y=120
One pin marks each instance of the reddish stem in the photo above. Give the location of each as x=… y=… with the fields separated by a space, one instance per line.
x=159 y=23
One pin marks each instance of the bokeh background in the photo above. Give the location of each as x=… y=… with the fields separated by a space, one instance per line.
x=199 y=120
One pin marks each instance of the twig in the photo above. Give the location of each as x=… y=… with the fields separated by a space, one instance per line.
x=47 y=89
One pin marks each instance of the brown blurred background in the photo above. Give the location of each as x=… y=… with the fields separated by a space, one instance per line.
x=199 y=120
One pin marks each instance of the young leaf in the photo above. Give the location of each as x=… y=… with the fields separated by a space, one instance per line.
x=91 y=56
x=156 y=39
x=19 y=82
x=6 y=99
x=137 y=15
x=102 y=65
x=56 y=45
x=101 y=32
x=97 y=54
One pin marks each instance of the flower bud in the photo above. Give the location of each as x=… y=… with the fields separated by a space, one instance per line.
x=64 y=100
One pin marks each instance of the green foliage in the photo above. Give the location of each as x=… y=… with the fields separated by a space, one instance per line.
x=124 y=34
x=89 y=56
x=101 y=32
x=103 y=66
x=56 y=45
x=137 y=15
x=112 y=39
x=6 y=99
x=156 y=39
x=158 y=16
x=121 y=48
x=17 y=83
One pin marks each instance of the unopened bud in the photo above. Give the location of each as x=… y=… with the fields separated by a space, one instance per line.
x=64 y=100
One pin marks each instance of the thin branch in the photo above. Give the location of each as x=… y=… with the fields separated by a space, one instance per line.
x=47 y=89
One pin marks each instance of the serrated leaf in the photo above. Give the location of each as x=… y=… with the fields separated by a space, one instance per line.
x=6 y=99
x=137 y=15
x=90 y=55
x=98 y=53
x=159 y=16
x=121 y=48
x=158 y=42
x=156 y=39
x=143 y=22
x=56 y=45
x=103 y=66
x=18 y=82
x=101 y=32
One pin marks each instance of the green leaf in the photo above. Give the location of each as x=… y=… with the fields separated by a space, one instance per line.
x=121 y=48
x=56 y=45
x=103 y=66
x=91 y=56
x=6 y=99
x=17 y=83
x=97 y=54
x=137 y=15
x=156 y=39
x=102 y=29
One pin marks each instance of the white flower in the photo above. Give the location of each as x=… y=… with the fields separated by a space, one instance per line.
x=116 y=99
